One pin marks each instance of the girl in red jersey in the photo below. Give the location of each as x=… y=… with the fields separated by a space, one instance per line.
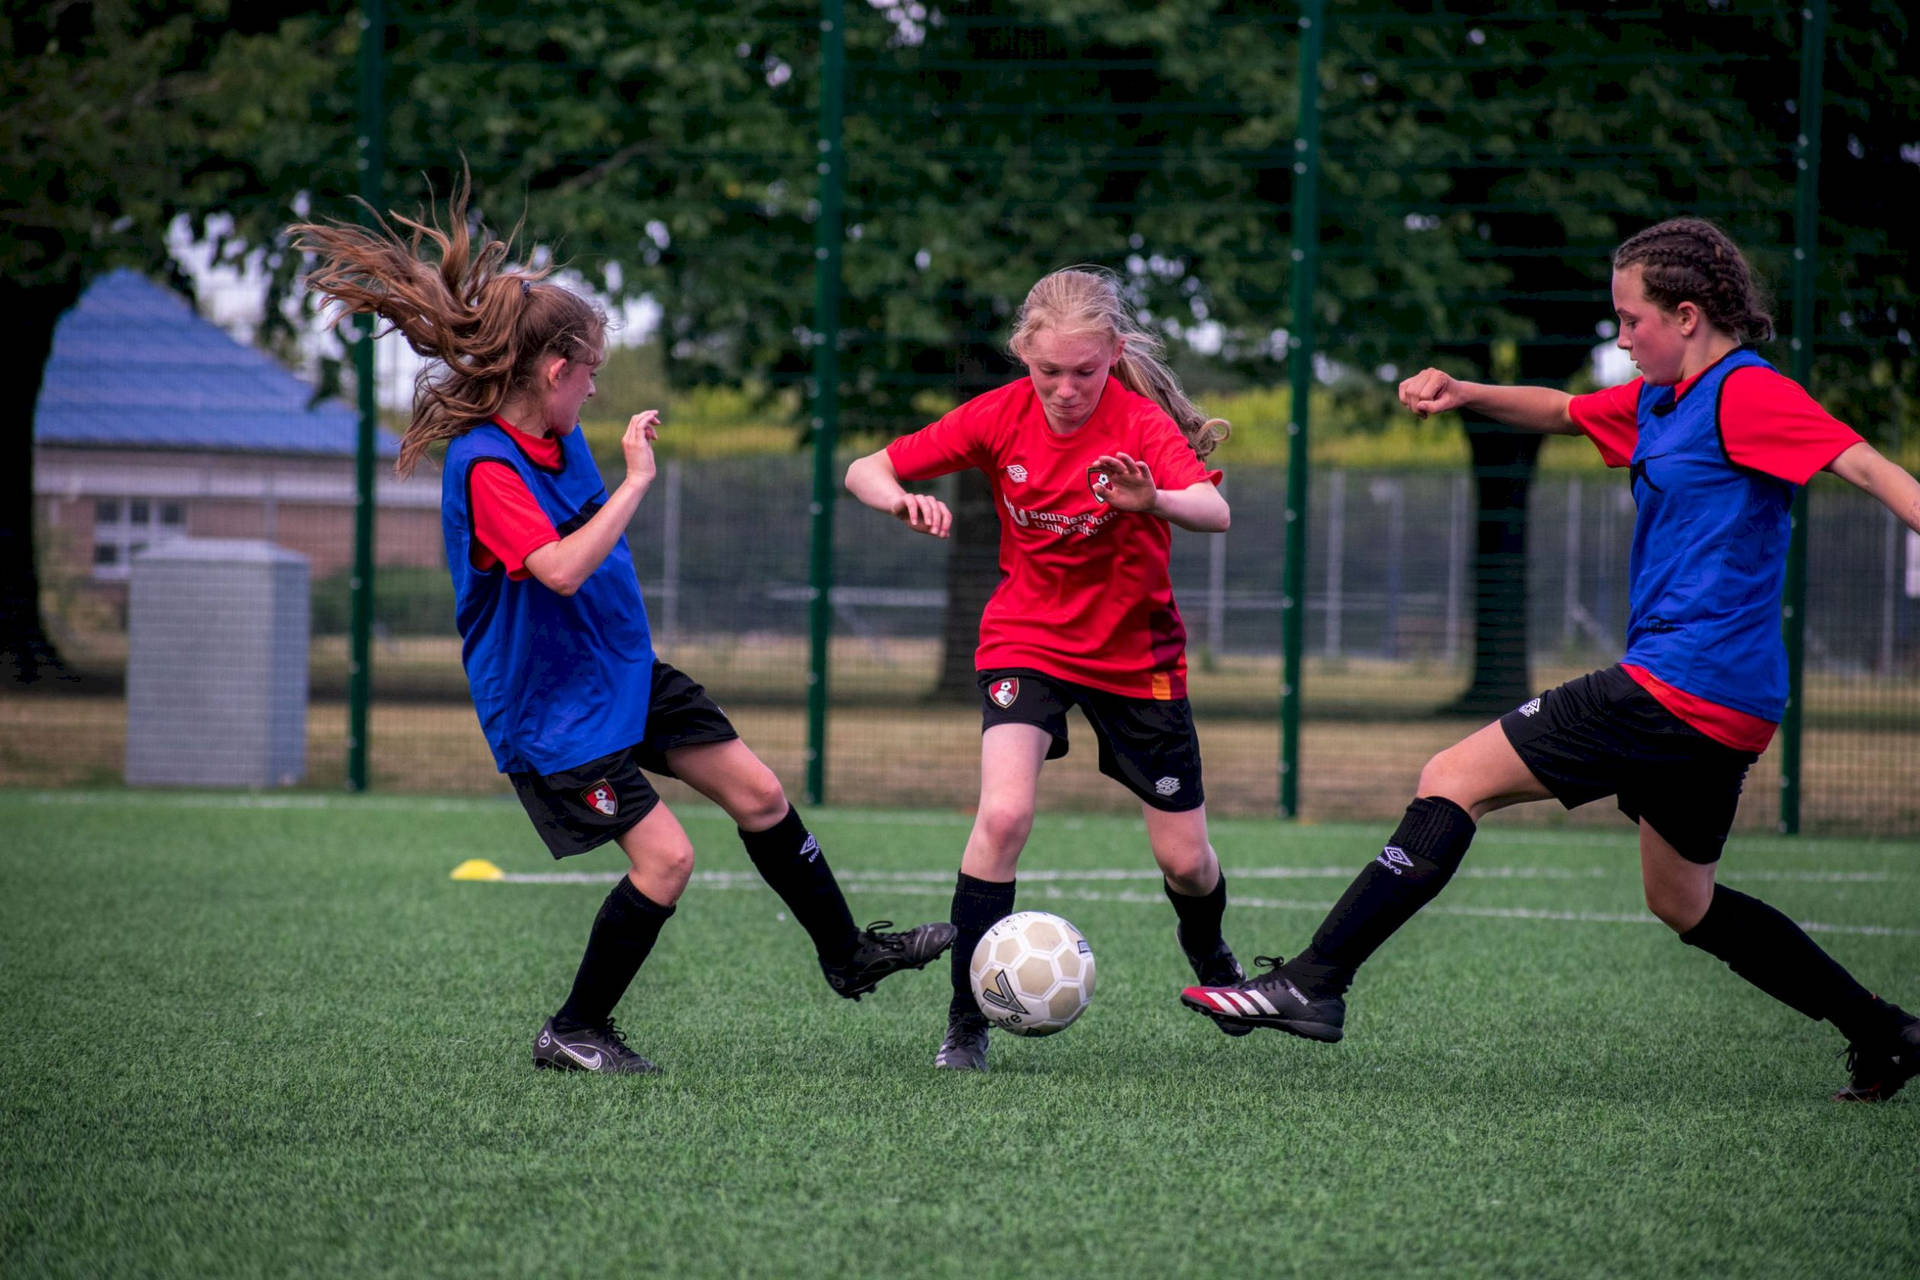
x=1717 y=443
x=574 y=704
x=1091 y=458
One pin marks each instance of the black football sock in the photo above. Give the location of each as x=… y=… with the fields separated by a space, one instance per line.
x=978 y=905
x=1199 y=916
x=623 y=934
x=789 y=859
x=1775 y=954
x=1415 y=865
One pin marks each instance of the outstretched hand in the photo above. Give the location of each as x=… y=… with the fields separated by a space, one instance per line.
x=924 y=513
x=1124 y=482
x=1431 y=391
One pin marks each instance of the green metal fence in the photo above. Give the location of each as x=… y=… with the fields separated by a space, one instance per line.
x=1309 y=202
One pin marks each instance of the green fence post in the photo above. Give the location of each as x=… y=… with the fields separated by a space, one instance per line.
x=1806 y=237
x=371 y=162
x=1306 y=262
x=826 y=385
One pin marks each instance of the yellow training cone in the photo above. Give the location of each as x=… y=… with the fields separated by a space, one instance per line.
x=478 y=869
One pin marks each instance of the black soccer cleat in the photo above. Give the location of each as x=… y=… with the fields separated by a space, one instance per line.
x=965 y=1048
x=1879 y=1069
x=603 y=1049
x=1217 y=968
x=1271 y=1000
x=877 y=954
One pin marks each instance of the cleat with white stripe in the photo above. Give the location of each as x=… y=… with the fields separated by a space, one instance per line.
x=965 y=1048
x=1273 y=1000
x=1215 y=968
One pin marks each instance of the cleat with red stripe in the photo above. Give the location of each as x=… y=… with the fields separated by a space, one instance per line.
x=1273 y=1000
x=1215 y=968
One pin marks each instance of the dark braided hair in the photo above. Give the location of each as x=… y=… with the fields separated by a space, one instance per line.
x=1691 y=260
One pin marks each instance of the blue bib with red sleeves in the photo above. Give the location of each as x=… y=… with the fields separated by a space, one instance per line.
x=557 y=680
x=1709 y=553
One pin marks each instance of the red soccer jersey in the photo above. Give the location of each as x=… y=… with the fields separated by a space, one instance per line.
x=508 y=524
x=1085 y=592
x=1769 y=424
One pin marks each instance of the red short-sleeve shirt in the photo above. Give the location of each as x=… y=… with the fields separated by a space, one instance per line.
x=1085 y=591
x=508 y=524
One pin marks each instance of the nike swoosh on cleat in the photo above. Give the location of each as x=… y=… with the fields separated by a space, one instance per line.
x=591 y=1064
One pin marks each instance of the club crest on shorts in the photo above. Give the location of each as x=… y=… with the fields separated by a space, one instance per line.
x=1097 y=477
x=602 y=798
x=1004 y=692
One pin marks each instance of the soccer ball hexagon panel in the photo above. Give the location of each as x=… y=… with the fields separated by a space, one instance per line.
x=1032 y=973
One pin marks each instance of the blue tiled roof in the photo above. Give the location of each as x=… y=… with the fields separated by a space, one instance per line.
x=134 y=366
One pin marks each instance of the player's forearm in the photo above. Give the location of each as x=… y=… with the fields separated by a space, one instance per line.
x=1541 y=409
x=872 y=480
x=1869 y=470
x=565 y=565
x=1198 y=507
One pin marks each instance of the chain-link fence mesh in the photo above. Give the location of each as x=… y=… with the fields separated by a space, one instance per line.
x=1479 y=164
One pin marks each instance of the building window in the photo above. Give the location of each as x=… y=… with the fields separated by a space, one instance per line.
x=124 y=527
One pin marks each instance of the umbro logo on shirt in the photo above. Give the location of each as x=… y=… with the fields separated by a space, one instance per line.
x=1017 y=473
x=1530 y=708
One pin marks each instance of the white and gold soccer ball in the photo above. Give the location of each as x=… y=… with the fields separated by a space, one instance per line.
x=1032 y=974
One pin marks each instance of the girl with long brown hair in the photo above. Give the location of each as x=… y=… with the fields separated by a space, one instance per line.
x=573 y=701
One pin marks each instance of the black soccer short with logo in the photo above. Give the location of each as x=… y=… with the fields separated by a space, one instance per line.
x=1147 y=745
x=1602 y=734
x=582 y=808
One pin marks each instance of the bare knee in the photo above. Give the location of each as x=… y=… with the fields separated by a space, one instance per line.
x=1678 y=907
x=999 y=834
x=1192 y=870
x=661 y=865
x=1446 y=775
x=756 y=800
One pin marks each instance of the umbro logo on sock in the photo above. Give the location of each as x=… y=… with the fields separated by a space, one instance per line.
x=1395 y=859
x=810 y=850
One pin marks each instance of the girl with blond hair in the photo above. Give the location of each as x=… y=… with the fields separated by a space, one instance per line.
x=1092 y=457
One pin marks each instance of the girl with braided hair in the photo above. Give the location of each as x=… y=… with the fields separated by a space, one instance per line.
x=1092 y=457
x=574 y=704
x=1717 y=443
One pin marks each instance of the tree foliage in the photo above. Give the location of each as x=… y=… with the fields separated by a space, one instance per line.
x=1479 y=163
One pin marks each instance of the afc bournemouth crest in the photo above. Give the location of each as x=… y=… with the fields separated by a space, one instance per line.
x=1004 y=692
x=602 y=798
x=1098 y=480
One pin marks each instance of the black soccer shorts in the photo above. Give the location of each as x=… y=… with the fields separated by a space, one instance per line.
x=1602 y=734
x=582 y=808
x=1147 y=745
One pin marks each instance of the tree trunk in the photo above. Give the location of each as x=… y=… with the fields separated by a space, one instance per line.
x=1503 y=467
x=33 y=311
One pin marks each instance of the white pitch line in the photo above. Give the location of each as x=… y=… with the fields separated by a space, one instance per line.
x=1047 y=886
x=723 y=878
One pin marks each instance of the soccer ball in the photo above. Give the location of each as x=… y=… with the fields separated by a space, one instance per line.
x=1032 y=974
